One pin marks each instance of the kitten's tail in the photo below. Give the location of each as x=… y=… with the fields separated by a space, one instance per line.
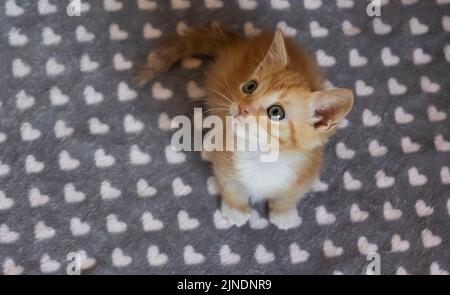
x=207 y=41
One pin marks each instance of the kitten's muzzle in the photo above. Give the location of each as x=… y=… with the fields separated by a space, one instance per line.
x=244 y=110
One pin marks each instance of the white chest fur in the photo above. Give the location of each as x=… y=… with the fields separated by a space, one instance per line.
x=265 y=179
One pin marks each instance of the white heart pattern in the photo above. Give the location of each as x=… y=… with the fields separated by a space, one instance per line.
x=87 y=158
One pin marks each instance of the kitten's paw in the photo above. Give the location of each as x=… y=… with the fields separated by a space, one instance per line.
x=237 y=217
x=286 y=220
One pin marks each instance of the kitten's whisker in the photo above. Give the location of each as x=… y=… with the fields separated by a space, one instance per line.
x=215 y=109
x=229 y=88
x=215 y=79
x=218 y=105
x=207 y=101
x=221 y=94
x=221 y=83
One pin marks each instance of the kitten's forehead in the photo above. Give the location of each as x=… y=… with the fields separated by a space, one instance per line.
x=269 y=99
x=284 y=96
x=282 y=80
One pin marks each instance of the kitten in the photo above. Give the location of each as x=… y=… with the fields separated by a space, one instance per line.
x=266 y=76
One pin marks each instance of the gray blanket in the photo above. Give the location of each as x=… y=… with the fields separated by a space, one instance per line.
x=86 y=169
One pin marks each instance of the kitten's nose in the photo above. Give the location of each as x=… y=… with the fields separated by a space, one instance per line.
x=243 y=109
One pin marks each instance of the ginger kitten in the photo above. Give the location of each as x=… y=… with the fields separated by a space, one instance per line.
x=269 y=77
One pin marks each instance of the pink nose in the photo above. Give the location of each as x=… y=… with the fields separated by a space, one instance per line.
x=243 y=109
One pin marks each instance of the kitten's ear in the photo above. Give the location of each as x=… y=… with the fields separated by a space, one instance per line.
x=329 y=107
x=276 y=55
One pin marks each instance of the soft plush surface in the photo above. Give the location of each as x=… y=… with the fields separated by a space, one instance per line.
x=83 y=152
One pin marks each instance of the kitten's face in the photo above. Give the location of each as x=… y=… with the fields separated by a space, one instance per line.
x=285 y=107
x=280 y=106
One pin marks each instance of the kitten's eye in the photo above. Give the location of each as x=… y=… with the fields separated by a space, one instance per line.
x=249 y=86
x=276 y=113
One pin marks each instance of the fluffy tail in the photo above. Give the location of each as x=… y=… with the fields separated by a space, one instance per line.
x=207 y=41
